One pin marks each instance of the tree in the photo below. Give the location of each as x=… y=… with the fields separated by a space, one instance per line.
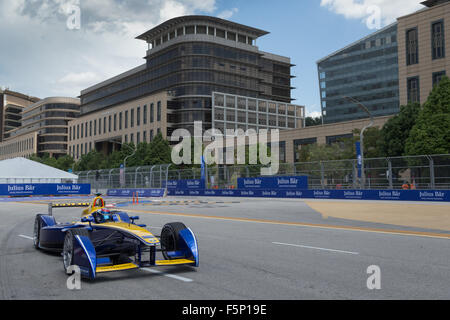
x=431 y=132
x=310 y=121
x=396 y=130
x=90 y=161
x=159 y=151
x=65 y=162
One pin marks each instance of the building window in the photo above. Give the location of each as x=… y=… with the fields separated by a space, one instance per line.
x=152 y=112
x=99 y=126
x=120 y=121
x=145 y=114
x=138 y=138
x=412 y=48
x=220 y=33
x=298 y=144
x=211 y=31
x=138 y=116
x=132 y=118
x=126 y=138
x=413 y=90
x=231 y=36
x=144 y=136
x=151 y=135
x=86 y=130
x=190 y=29
x=180 y=31
x=109 y=124
x=126 y=119
x=95 y=127
x=158 y=112
x=437 y=40
x=131 y=138
x=82 y=130
x=104 y=124
x=201 y=29
x=437 y=76
x=115 y=122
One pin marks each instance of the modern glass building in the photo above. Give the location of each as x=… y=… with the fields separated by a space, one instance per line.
x=367 y=71
x=191 y=57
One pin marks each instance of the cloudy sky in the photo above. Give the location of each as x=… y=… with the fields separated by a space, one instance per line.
x=44 y=53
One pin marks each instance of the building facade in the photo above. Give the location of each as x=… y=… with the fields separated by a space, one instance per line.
x=424 y=48
x=11 y=105
x=189 y=58
x=238 y=112
x=43 y=129
x=134 y=121
x=367 y=71
x=291 y=141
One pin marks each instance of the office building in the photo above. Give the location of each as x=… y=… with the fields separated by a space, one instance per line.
x=424 y=48
x=11 y=105
x=43 y=129
x=188 y=59
x=367 y=71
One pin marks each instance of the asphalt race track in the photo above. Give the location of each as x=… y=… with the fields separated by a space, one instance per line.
x=249 y=249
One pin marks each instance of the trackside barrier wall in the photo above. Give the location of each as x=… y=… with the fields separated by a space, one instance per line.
x=140 y=192
x=400 y=195
x=39 y=189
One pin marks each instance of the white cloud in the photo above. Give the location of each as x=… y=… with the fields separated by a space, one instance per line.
x=45 y=58
x=227 y=14
x=387 y=11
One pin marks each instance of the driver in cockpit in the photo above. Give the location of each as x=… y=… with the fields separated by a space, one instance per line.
x=102 y=215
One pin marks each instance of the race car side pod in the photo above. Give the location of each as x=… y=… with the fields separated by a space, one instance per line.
x=84 y=256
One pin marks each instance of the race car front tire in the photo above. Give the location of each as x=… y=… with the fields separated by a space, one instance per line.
x=68 y=246
x=170 y=236
x=37 y=230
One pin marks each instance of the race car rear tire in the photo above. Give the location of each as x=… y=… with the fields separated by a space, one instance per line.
x=170 y=237
x=37 y=230
x=68 y=245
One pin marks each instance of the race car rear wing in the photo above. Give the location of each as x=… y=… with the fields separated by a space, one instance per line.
x=66 y=205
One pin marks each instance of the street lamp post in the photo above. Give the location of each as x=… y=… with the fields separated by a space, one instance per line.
x=125 y=160
x=361 y=136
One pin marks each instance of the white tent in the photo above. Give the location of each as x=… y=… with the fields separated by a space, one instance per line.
x=22 y=170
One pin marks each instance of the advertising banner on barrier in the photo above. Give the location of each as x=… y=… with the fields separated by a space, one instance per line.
x=399 y=195
x=190 y=184
x=140 y=192
x=282 y=182
x=39 y=189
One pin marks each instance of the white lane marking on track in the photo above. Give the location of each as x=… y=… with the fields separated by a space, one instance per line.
x=316 y=248
x=168 y=275
x=26 y=237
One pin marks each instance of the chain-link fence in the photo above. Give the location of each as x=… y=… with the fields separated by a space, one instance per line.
x=419 y=172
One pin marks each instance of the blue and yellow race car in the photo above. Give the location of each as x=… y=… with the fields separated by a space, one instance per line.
x=107 y=240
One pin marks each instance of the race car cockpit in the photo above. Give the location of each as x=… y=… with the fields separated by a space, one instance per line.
x=103 y=215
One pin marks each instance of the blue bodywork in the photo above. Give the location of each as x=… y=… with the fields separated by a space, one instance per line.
x=108 y=245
